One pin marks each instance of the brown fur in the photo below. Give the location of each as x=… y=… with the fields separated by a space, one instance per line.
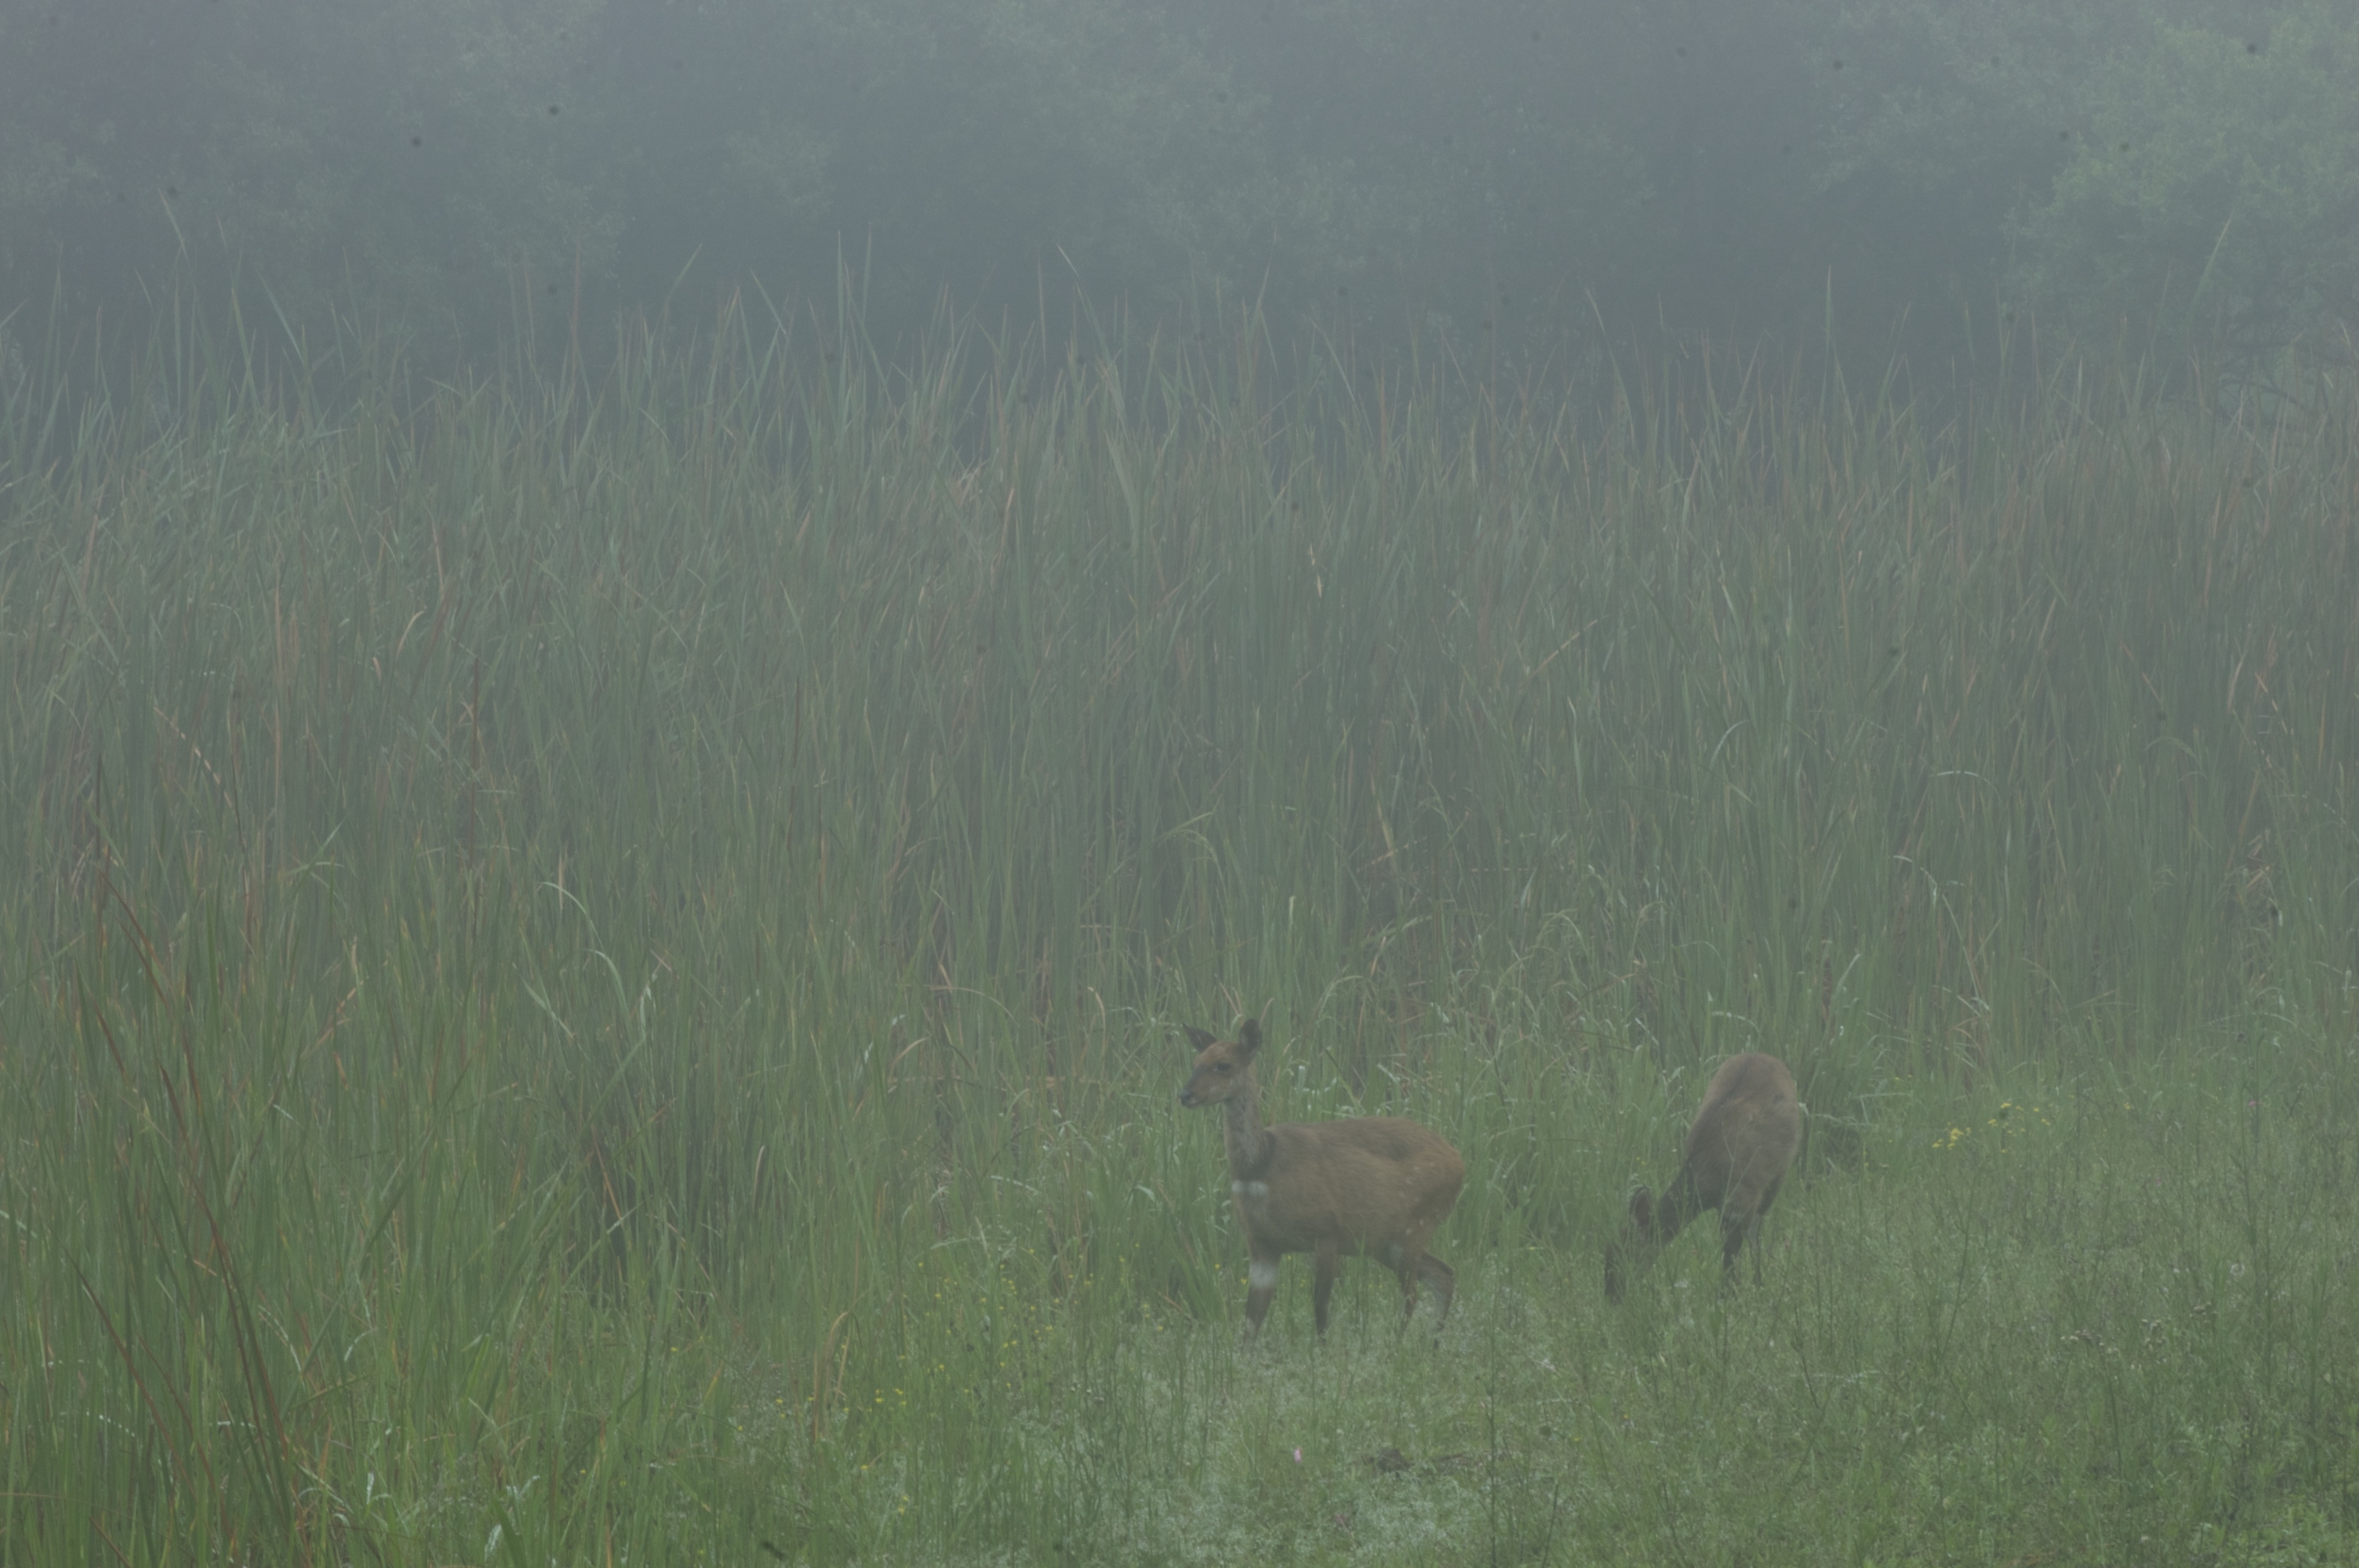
x=1375 y=1185
x=1738 y=1151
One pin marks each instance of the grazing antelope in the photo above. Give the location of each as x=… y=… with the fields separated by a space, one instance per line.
x=1373 y=1185
x=1738 y=1151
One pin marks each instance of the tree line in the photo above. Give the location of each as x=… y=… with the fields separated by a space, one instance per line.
x=1498 y=179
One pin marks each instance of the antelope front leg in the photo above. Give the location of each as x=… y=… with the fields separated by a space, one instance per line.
x=1439 y=1279
x=1261 y=1274
x=1733 y=1239
x=1406 y=1268
x=1323 y=1285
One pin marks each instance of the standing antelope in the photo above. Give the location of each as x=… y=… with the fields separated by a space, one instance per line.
x=1373 y=1185
x=1736 y=1153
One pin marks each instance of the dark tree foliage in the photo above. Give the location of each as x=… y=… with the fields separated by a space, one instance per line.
x=1509 y=182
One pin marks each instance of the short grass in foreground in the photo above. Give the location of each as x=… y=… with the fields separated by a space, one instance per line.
x=2067 y=1322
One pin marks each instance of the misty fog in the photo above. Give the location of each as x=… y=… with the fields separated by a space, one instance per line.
x=762 y=758
x=1510 y=182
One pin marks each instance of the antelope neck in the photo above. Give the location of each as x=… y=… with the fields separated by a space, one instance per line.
x=1250 y=1147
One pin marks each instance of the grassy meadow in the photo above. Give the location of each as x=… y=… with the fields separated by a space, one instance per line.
x=591 y=965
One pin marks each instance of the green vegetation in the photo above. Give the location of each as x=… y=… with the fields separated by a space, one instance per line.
x=590 y=963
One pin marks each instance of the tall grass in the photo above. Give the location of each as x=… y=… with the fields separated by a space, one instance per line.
x=592 y=962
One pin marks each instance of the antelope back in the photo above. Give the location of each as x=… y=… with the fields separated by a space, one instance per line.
x=1365 y=1182
x=1736 y=1153
x=1357 y=1180
x=1744 y=1137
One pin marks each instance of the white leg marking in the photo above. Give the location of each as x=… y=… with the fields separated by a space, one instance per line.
x=1264 y=1276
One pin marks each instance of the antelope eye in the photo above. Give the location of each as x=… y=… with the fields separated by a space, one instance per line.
x=1220 y=1066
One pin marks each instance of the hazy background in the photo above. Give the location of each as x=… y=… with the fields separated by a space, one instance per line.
x=1512 y=181
x=598 y=897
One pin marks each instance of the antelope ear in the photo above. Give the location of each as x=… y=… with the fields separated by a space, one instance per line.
x=1197 y=1039
x=1249 y=1038
x=1642 y=1209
